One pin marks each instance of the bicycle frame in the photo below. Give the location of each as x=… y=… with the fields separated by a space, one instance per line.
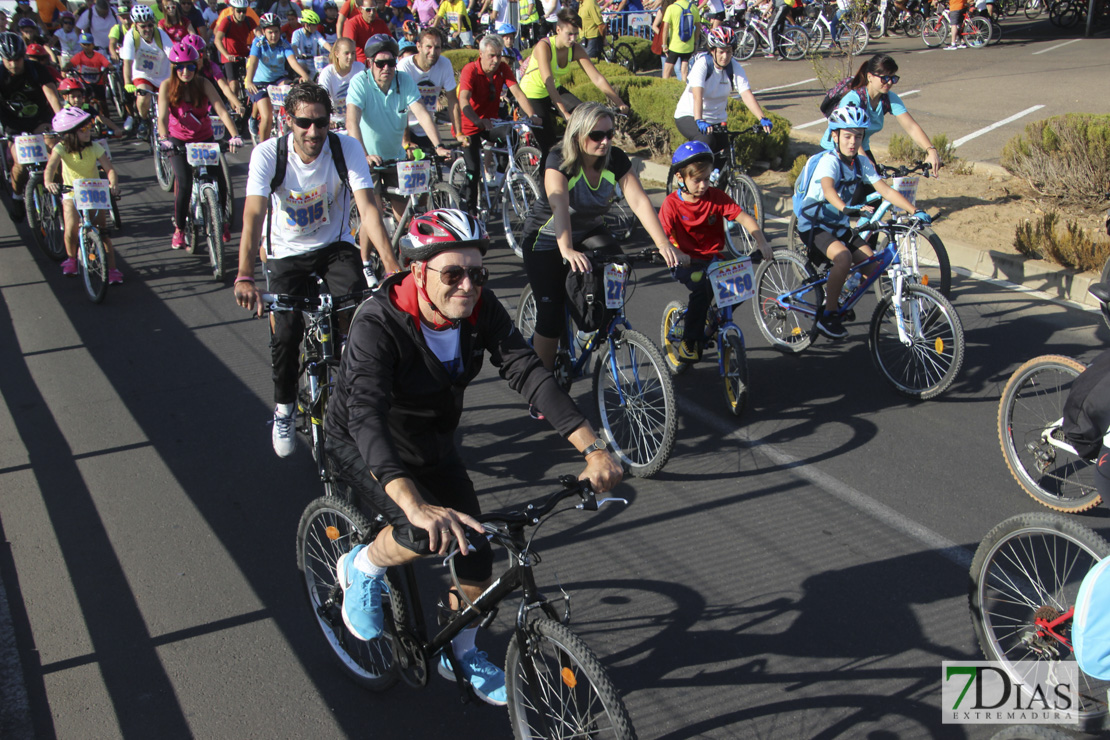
x=509 y=129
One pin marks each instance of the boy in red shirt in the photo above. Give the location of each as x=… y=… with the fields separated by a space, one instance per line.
x=693 y=216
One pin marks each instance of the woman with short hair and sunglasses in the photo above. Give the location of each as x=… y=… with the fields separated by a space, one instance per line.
x=872 y=90
x=580 y=179
x=185 y=99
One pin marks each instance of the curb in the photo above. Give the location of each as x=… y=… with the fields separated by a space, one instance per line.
x=1027 y=273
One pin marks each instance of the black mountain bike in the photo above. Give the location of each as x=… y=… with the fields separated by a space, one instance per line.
x=556 y=686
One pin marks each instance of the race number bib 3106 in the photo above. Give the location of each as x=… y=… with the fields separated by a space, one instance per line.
x=616 y=277
x=305 y=212
x=732 y=281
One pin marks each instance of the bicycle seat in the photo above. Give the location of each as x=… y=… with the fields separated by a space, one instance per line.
x=601 y=242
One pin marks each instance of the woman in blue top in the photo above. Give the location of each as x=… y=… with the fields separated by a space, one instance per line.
x=870 y=89
x=265 y=67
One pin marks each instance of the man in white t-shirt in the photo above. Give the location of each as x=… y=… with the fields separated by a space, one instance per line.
x=433 y=73
x=145 y=64
x=302 y=225
x=714 y=77
x=98 y=20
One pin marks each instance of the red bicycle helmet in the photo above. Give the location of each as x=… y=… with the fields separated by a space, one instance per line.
x=70 y=84
x=440 y=230
x=721 y=37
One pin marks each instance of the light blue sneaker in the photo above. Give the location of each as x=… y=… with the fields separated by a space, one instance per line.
x=487 y=680
x=362 y=597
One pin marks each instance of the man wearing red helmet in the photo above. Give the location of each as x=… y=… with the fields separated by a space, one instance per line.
x=392 y=422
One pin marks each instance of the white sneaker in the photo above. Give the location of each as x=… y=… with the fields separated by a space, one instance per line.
x=128 y=123
x=284 y=435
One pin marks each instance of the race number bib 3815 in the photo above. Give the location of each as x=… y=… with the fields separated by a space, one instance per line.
x=732 y=281
x=305 y=212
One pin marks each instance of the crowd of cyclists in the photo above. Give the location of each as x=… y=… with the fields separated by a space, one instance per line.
x=350 y=88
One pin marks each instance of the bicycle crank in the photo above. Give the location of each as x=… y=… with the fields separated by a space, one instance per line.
x=411 y=659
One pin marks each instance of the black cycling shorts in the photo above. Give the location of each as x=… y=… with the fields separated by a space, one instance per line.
x=446 y=484
x=236 y=70
x=818 y=241
x=673 y=57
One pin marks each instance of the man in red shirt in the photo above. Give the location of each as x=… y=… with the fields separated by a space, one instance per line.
x=234 y=34
x=480 y=84
x=366 y=24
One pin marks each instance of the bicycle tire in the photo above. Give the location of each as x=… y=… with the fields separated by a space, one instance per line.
x=93 y=263
x=195 y=240
x=734 y=364
x=978 y=32
x=815 y=30
x=1033 y=8
x=912 y=25
x=529 y=159
x=229 y=193
x=876 y=27
x=929 y=366
x=459 y=179
x=625 y=57
x=526 y=314
x=639 y=420
x=934 y=269
x=746 y=46
x=794 y=43
x=934 y=31
x=115 y=88
x=328 y=529
x=1027 y=566
x=1033 y=401
x=213 y=232
x=310 y=415
x=793 y=241
x=163 y=170
x=117 y=219
x=519 y=193
x=784 y=329
x=996 y=32
x=569 y=673
x=747 y=194
x=672 y=328
x=1032 y=732
x=858 y=38
x=35 y=199
x=53 y=224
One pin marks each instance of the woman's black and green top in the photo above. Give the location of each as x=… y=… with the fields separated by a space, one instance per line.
x=588 y=204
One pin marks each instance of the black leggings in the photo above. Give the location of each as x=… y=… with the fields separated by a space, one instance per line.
x=547 y=133
x=183 y=186
x=547 y=274
x=688 y=127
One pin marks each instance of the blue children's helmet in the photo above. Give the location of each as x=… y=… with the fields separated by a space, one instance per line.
x=690 y=152
x=504 y=29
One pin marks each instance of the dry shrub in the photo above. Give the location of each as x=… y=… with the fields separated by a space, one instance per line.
x=902 y=149
x=1066 y=244
x=796 y=168
x=1065 y=157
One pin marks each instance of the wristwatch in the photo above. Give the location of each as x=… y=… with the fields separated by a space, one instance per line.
x=599 y=444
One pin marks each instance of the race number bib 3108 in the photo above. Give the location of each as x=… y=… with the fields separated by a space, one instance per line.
x=305 y=212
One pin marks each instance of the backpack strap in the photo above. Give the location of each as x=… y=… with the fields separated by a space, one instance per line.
x=337 y=158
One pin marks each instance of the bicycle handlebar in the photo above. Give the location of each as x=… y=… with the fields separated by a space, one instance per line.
x=887 y=171
x=285 y=302
x=533 y=512
x=722 y=128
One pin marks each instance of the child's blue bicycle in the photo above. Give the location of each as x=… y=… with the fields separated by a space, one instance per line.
x=916 y=338
x=91 y=196
x=733 y=283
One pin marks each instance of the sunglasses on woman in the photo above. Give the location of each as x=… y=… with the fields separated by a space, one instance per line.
x=190 y=67
x=889 y=79
x=600 y=136
x=453 y=275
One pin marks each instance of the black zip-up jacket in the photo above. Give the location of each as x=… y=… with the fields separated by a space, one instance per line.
x=395 y=401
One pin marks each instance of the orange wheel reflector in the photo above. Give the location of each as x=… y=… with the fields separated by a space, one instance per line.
x=568 y=677
x=333 y=533
x=939 y=345
x=925 y=280
x=795 y=331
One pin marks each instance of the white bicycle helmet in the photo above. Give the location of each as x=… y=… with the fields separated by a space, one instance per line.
x=238 y=3
x=849 y=116
x=440 y=230
x=142 y=14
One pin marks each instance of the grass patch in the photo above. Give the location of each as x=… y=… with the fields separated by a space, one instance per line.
x=1067 y=244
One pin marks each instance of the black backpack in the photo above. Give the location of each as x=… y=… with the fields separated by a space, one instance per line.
x=586 y=290
x=842 y=88
x=282 y=162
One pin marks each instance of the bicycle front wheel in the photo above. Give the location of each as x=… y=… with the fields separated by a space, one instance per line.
x=978 y=32
x=854 y=38
x=163 y=169
x=94 y=265
x=625 y=56
x=934 y=31
x=793 y=241
x=671 y=331
x=520 y=193
x=749 y=197
x=1029 y=421
x=734 y=365
x=526 y=314
x=927 y=363
x=745 y=48
x=1030 y=566
x=923 y=252
x=556 y=687
x=635 y=401
x=213 y=230
x=794 y=43
x=39 y=205
x=786 y=329
x=1033 y=8
x=329 y=528
x=529 y=159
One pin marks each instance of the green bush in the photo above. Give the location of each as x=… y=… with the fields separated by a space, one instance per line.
x=1065 y=157
x=1069 y=246
x=902 y=149
x=459 y=58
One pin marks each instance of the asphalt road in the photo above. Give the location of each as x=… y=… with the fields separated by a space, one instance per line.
x=798 y=573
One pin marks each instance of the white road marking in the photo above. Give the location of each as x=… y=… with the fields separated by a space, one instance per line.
x=1052 y=48
x=783 y=87
x=993 y=126
x=822 y=120
x=928 y=51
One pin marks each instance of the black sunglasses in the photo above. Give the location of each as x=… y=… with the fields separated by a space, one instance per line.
x=190 y=67
x=453 y=275
x=307 y=123
x=889 y=79
x=383 y=63
x=600 y=136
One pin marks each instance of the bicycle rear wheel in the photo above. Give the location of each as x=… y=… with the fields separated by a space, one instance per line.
x=520 y=193
x=625 y=56
x=573 y=696
x=40 y=203
x=671 y=331
x=934 y=31
x=734 y=363
x=925 y=250
x=787 y=330
x=1029 y=416
x=635 y=402
x=94 y=265
x=794 y=43
x=1033 y=8
x=329 y=528
x=928 y=365
x=213 y=231
x=978 y=32
x=1030 y=566
x=748 y=196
